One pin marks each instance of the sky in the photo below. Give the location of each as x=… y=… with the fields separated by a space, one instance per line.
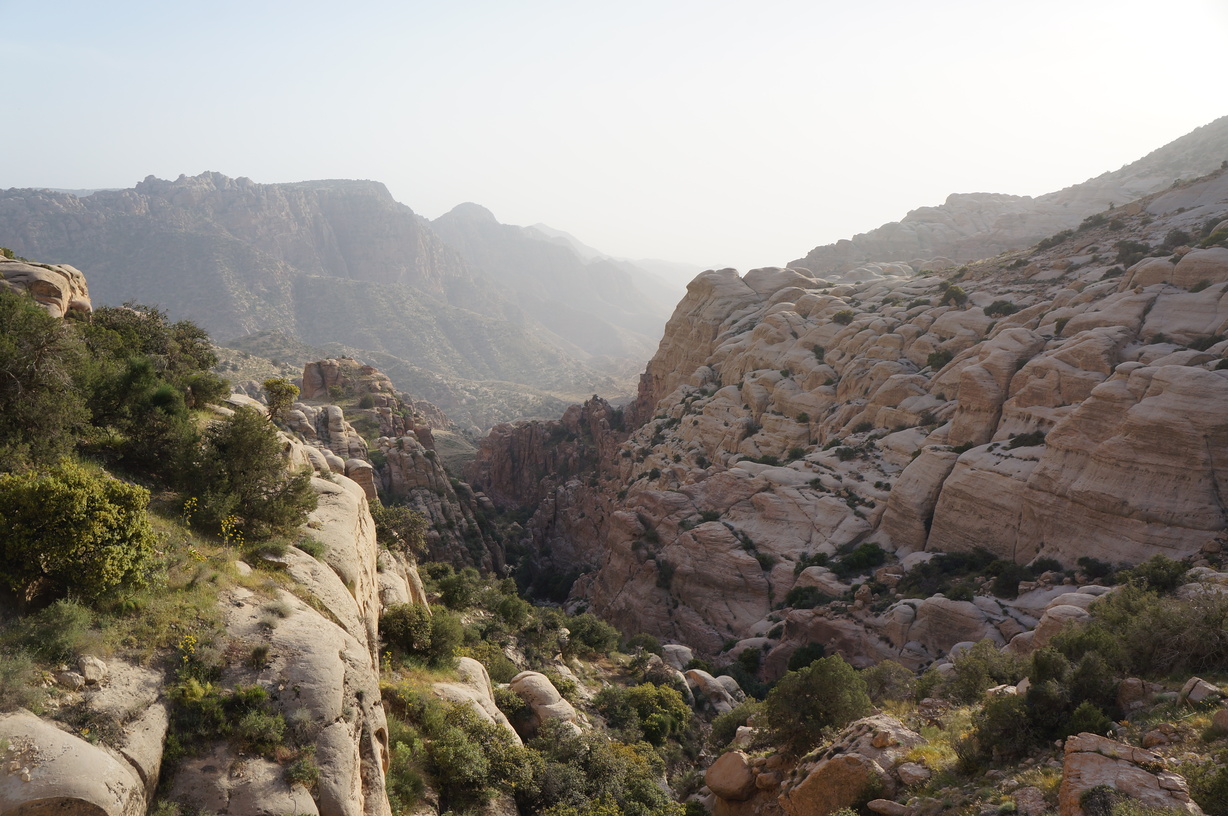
x=714 y=133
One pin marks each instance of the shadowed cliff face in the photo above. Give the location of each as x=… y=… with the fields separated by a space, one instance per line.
x=1047 y=403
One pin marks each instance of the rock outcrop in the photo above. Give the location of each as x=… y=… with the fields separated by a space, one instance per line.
x=1093 y=761
x=58 y=288
x=1031 y=405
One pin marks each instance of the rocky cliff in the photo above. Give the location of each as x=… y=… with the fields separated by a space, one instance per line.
x=968 y=226
x=1050 y=403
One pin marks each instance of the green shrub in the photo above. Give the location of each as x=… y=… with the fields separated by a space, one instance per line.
x=240 y=472
x=888 y=680
x=978 y=669
x=447 y=633
x=805 y=654
x=826 y=694
x=646 y=642
x=1026 y=440
x=862 y=559
x=590 y=636
x=843 y=317
x=1208 y=783
x=100 y=545
x=938 y=359
x=41 y=360
x=648 y=710
x=1000 y=308
x=56 y=634
x=725 y=726
x=1003 y=728
x=399 y=528
x=806 y=597
x=18 y=682
x=406 y=628
x=1087 y=717
x=1157 y=573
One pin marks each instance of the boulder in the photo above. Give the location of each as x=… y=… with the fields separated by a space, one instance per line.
x=50 y=771
x=1196 y=690
x=1092 y=760
x=543 y=700
x=731 y=777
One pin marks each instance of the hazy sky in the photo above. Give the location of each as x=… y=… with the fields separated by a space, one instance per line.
x=718 y=133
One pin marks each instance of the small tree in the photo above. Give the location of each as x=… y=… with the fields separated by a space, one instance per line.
x=826 y=694
x=41 y=408
x=281 y=393
x=240 y=471
x=71 y=530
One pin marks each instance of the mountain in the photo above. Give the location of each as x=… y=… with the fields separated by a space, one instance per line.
x=969 y=226
x=796 y=436
x=341 y=265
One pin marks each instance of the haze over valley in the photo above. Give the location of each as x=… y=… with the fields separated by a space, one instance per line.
x=668 y=409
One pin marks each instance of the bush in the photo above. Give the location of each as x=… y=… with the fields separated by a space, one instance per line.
x=938 y=359
x=725 y=726
x=863 y=559
x=19 y=680
x=1000 y=308
x=806 y=597
x=889 y=680
x=1157 y=573
x=826 y=694
x=648 y=710
x=1208 y=783
x=56 y=634
x=240 y=472
x=406 y=628
x=806 y=654
x=590 y=636
x=399 y=528
x=41 y=358
x=101 y=544
x=978 y=669
x=843 y=317
x=1026 y=440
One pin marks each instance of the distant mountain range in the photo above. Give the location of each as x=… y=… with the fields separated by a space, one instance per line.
x=487 y=320
x=969 y=226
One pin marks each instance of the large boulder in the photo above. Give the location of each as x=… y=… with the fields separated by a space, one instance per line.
x=1092 y=761
x=544 y=701
x=48 y=771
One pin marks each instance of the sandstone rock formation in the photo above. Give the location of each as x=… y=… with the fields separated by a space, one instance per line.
x=58 y=288
x=1032 y=405
x=1093 y=760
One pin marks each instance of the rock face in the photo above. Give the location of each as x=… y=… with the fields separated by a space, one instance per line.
x=402 y=465
x=58 y=288
x=50 y=771
x=1035 y=407
x=330 y=660
x=1093 y=760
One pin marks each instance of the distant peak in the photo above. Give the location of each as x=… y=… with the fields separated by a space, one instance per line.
x=470 y=212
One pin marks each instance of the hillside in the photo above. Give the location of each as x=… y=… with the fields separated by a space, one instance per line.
x=499 y=325
x=971 y=226
x=1059 y=403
